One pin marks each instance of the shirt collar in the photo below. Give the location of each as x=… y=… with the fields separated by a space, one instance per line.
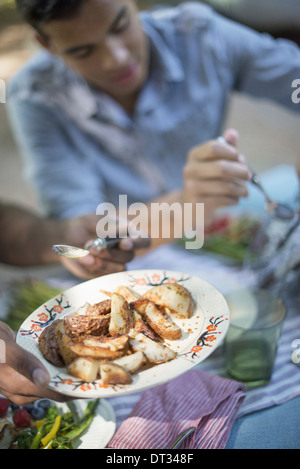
x=167 y=65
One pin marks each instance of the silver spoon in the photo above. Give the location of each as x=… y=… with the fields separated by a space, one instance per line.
x=281 y=211
x=183 y=436
x=73 y=252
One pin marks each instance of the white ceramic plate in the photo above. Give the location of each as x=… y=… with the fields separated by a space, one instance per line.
x=102 y=428
x=202 y=333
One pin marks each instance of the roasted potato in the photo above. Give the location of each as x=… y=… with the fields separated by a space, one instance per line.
x=173 y=296
x=110 y=343
x=153 y=351
x=99 y=353
x=141 y=326
x=132 y=363
x=111 y=373
x=48 y=344
x=121 y=318
x=157 y=320
x=76 y=326
x=62 y=341
x=128 y=293
x=84 y=368
x=99 y=309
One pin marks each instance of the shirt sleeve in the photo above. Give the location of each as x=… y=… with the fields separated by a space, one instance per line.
x=261 y=66
x=59 y=168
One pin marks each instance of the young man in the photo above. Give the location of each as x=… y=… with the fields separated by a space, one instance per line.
x=125 y=103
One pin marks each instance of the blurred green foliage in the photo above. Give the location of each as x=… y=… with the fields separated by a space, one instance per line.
x=5 y=4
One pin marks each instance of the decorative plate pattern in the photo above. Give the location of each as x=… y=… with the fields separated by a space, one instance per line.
x=202 y=333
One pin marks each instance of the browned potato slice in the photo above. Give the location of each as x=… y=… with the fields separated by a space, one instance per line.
x=173 y=296
x=156 y=320
x=99 y=309
x=48 y=344
x=110 y=343
x=141 y=326
x=75 y=326
x=111 y=373
x=153 y=351
x=128 y=293
x=84 y=368
x=121 y=320
x=99 y=353
x=82 y=310
x=62 y=340
x=131 y=363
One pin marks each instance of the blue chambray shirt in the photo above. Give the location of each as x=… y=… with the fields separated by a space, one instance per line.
x=81 y=148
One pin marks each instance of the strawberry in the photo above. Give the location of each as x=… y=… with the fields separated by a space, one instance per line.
x=21 y=418
x=4 y=405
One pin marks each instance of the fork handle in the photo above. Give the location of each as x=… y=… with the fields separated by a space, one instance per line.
x=104 y=243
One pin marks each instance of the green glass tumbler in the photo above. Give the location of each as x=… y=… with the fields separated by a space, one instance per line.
x=251 y=342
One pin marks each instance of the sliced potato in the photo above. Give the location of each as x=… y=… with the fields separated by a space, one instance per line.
x=141 y=326
x=131 y=363
x=76 y=326
x=153 y=351
x=99 y=353
x=121 y=318
x=99 y=309
x=82 y=310
x=111 y=343
x=128 y=293
x=173 y=296
x=84 y=368
x=48 y=344
x=63 y=340
x=156 y=320
x=111 y=373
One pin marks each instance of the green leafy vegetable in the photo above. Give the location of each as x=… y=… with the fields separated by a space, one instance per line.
x=68 y=432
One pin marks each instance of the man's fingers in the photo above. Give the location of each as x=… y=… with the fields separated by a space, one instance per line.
x=231 y=136
x=135 y=244
x=219 y=188
x=26 y=364
x=21 y=390
x=219 y=169
x=213 y=150
x=115 y=255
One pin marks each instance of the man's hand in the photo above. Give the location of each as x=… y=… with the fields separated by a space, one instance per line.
x=215 y=174
x=109 y=261
x=81 y=232
x=23 y=378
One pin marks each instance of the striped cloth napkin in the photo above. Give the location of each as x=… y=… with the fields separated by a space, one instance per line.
x=196 y=399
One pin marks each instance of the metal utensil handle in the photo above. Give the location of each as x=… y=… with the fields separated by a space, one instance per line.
x=104 y=243
x=180 y=439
